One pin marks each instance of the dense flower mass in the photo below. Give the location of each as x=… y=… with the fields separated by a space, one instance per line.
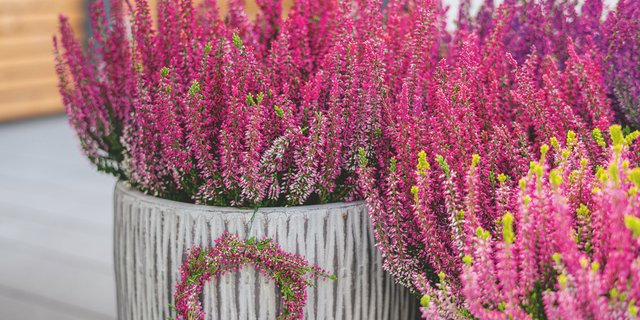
x=503 y=84
x=569 y=249
x=291 y=273
x=227 y=110
x=348 y=99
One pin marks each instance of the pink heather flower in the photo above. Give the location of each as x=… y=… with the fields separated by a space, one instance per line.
x=544 y=261
x=455 y=96
x=334 y=77
x=224 y=110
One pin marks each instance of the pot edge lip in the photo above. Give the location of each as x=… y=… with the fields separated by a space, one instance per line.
x=123 y=187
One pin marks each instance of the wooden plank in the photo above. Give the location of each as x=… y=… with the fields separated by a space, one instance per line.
x=26 y=47
x=27 y=73
x=30 y=108
x=38 y=89
x=28 y=7
x=27 y=69
x=28 y=25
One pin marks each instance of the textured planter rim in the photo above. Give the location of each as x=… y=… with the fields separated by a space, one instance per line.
x=126 y=188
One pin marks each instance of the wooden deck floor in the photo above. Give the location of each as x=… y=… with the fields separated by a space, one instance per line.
x=56 y=259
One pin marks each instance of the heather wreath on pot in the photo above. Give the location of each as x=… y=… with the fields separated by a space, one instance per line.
x=292 y=273
x=223 y=124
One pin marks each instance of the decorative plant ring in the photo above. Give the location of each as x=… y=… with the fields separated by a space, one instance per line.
x=289 y=271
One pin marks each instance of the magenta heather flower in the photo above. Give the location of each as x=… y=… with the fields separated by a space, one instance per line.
x=105 y=81
x=291 y=273
x=448 y=97
x=551 y=26
x=175 y=110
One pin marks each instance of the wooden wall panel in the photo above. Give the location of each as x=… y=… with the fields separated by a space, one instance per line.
x=27 y=75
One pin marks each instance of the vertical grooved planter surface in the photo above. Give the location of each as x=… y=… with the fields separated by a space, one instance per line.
x=152 y=236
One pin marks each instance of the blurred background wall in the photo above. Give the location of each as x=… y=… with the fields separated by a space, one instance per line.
x=27 y=77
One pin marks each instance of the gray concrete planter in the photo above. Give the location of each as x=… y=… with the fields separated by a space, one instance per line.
x=152 y=236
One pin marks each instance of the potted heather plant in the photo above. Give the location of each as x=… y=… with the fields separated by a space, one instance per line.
x=219 y=125
x=344 y=100
x=465 y=118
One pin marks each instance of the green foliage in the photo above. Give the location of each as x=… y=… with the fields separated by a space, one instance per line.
x=534 y=305
x=633 y=224
x=423 y=166
x=237 y=41
x=443 y=165
x=278 y=111
x=507 y=228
